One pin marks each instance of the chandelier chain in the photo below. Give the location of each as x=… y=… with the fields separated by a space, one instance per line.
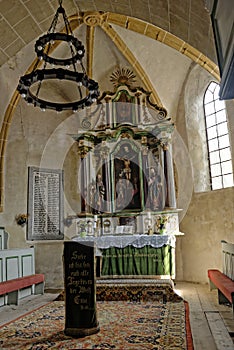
x=67 y=24
x=85 y=86
x=54 y=23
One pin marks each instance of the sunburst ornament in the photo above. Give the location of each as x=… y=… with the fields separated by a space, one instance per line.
x=122 y=76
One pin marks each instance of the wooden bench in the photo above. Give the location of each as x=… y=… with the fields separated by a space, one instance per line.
x=225 y=286
x=12 y=287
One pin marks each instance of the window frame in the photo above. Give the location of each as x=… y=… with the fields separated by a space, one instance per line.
x=217 y=135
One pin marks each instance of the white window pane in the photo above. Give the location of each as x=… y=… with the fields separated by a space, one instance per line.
x=221 y=116
x=212 y=132
x=214 y=157
x=208 y=97
x=215 y=170
x=228 y=180
x=226 y=167
x=217 y=183
x=220 y=157
x=213 y=145
x=222 y=129
x=224 y=141
x=212 y=86
x=209 y=108
x=225 y=154
x=219 y=105
x=210 y=120
x=216 y=92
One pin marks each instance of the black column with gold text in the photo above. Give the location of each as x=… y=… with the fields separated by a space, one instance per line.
x=80 y=289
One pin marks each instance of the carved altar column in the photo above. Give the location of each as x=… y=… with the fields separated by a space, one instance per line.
x=162 y=175
x=104 y=153
x=108 y=112
x=145 y=166
x=169 y=176
x=102 y=169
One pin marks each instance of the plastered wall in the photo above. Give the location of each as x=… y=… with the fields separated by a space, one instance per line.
x=43 y=139
x=209 y=217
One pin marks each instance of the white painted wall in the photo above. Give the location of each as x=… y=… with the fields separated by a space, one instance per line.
x=38 y=138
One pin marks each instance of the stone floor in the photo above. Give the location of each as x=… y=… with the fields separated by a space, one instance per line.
x=212 y=324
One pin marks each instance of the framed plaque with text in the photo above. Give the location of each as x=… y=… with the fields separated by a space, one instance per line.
x=45 y=204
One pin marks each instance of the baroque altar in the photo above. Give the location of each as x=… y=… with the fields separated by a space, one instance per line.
x=126 y=172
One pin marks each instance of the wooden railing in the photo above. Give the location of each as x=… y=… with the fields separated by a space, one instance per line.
x=16 y=263
x=228 y=259
x=3 y=238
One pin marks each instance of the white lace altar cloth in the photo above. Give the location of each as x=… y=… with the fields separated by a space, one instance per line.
x=137 y=241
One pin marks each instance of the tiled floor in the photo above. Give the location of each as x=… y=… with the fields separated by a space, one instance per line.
x=211 y=323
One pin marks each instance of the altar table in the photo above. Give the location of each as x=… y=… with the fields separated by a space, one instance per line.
x=131 y=255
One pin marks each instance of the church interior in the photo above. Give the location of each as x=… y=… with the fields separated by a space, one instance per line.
x=117 y=128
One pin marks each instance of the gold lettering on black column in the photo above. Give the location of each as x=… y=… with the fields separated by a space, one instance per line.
x=80 y=293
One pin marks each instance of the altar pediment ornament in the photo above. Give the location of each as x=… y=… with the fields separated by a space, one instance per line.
x=123 y=76
x=129 y=104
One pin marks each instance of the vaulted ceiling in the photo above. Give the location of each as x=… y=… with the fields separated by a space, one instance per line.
x=157 y=39
x=21 y=21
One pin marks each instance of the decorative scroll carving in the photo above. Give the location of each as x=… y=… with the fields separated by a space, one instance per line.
x=93 y=19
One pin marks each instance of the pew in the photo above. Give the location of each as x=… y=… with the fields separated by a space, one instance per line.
x=224 y=281
x=11 y=288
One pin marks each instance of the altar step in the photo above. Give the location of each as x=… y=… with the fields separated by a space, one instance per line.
x=133 y=289
x=136 y=281
x=136 y=289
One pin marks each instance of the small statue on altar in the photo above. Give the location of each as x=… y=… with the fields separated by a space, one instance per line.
x=155 y=191
x=99 y=194
x=121 y=200
x=135 y=202
x=127 y=169
x=87 y=199
x=90 y=197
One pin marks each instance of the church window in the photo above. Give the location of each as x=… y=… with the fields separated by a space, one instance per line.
x=219 y=151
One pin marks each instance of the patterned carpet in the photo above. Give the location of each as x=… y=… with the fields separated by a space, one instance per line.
x=160 y=323
x=136 y=290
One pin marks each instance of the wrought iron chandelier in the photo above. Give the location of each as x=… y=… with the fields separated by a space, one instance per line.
x=30 y=85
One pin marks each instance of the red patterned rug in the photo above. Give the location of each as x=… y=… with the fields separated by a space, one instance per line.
x=123 y=325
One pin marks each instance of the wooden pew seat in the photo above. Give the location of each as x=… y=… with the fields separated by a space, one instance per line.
x=224 y=284
x=12 y=287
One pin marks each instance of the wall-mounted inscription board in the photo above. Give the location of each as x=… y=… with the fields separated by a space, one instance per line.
x=45 y=204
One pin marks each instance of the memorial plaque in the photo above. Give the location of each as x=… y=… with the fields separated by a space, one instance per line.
x=80 y=289
x=45 y=204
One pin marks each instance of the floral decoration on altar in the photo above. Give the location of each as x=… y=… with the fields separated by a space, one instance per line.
x=161 y=223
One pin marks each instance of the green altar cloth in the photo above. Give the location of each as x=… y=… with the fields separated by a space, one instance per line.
x=138 y=261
